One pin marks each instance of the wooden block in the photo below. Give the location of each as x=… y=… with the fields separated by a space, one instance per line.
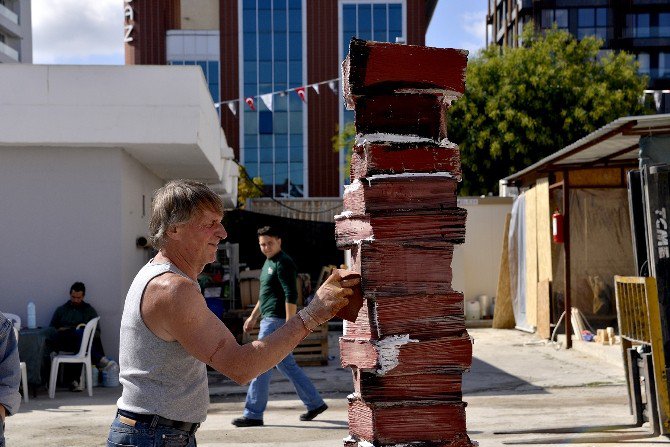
x=353 y=441
x=404 y=192
x=443 y=226
x=419 y=115
x=353 y=307
x=503 y=314
x=432 y=316
x=374 y=66
x=402 y=355
x=413 y=387
x=387 y=423
x=531 y=257
x=544 y=309
x=403 y=269
x=369 y=159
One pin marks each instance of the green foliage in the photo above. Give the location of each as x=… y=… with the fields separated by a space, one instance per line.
x=248 y=188
x=344 y=141
x=523 y=104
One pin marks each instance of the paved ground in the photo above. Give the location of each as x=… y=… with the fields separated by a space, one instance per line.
x=520 y=391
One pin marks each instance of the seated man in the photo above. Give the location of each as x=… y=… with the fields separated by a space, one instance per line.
x=69 y=321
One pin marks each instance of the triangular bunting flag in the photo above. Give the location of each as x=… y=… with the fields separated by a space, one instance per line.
x=231 y=106
x=267 y=100
x=333 y=86
x=301 y=92
x=250 y=102
x=316 y=88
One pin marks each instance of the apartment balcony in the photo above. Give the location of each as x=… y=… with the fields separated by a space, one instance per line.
x=8 y=52
x=9 y=14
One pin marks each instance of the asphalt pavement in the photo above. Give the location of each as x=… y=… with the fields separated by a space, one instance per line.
x=520 y=391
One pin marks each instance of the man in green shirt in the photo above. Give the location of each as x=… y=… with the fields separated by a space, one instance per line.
x=68 y=321
x=276 y=305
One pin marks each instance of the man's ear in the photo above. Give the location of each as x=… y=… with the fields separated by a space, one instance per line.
x=173 y=232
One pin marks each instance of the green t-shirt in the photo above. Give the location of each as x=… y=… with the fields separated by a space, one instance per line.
x=278 y=285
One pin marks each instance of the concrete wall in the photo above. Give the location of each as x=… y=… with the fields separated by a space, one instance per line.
x=477 y=262
x=200 y=14
x=60 y=220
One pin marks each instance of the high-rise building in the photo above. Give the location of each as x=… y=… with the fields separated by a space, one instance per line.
x=640 y=27
x=16 y=42
x=270 y=48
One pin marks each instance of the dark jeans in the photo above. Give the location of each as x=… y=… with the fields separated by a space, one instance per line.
x=142 y=435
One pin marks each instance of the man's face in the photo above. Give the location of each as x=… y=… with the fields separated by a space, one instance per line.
x=76 y=298
x=270 y=245
x=202 y=236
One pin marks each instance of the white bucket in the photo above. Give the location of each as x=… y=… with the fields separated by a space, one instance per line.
x=485 y=305
x=110 y=375
x=473 y=310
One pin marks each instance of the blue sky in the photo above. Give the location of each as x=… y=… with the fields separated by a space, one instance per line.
x=90 y=31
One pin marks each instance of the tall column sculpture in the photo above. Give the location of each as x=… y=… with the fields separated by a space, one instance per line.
x=408 y=346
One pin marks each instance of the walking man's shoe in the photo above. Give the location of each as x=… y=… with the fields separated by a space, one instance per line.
x=311 y=414
x=247 y=422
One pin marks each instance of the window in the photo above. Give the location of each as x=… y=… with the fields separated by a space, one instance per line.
x=557 y=16
x=272 y=49
x=643 y=59
x=664 y=65
x=638 y=25
x=592 y=22
x=664 y=24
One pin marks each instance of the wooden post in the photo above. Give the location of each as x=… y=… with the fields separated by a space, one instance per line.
x=566 y=248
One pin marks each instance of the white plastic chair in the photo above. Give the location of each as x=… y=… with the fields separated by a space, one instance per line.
x=24 y=371
x=83 y=356
x=14 y=319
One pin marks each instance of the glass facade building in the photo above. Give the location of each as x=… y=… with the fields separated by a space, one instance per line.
x=273 y=140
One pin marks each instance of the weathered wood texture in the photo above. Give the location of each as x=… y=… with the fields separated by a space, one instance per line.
x=408 y=421
x=402 y=355
x=402 y=269
x=503 y=313
x=386 y=193
x=412 y=387
x=374 y=66
x=405 y=114
x=369 y=159
x=447 y=226
x=431 y=316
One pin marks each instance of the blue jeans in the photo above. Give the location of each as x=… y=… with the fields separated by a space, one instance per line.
x=259 y=389
x=142 y=435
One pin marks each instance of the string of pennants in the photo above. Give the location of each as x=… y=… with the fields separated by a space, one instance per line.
x=267 y=98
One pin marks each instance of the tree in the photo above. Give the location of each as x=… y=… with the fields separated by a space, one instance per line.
x=523 y=104
x=344 y=141
x=247 y=188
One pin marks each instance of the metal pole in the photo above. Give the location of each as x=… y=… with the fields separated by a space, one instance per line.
x=566 y=249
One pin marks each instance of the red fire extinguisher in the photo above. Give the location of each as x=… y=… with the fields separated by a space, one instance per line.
x=557 y=227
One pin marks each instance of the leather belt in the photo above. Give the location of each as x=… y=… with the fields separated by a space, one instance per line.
x=154 y=420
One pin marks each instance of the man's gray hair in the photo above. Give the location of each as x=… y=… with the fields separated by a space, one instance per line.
x=175 y=203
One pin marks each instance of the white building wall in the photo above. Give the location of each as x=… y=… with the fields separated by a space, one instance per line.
x=61 y=223
x=476 y=263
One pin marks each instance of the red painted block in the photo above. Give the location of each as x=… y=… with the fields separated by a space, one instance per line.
x=374 y=66
x=445 y=226
x=368 y=159
x=408 y=192
x=432 y=316
x=388 y=423
x=403 y=269
x=351 y=441
x=419 y=115
x=364 y=327
x=403 y=355
x=371 y=387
